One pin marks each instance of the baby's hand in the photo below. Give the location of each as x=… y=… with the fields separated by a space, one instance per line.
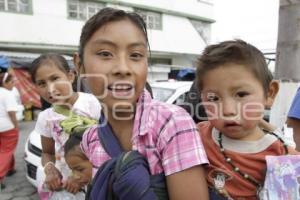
x=53 y=178
x=71 y=185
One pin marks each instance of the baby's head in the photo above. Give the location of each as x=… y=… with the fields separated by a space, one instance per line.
x=235 y=85
x=77 y=161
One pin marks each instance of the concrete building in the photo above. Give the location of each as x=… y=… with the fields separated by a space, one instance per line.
x=178 y=30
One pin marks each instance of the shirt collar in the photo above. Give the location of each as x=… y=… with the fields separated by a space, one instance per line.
x=142 y=114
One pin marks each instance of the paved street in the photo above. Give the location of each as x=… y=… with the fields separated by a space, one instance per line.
x=17 y=186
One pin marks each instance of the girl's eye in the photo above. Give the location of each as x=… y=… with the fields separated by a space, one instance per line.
x=55 y=78
x=136 y=56
x=242 y=94
x=41 y=84
x=104 y=54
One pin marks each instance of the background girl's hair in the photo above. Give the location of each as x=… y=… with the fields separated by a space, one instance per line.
x=8 y=77
x=105 y=16
x=49 y=58
x=73 y=141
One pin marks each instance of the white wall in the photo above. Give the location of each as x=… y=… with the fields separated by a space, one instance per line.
x=178 y=36
x=47 y=25
x=191 y=7
x=184 y=60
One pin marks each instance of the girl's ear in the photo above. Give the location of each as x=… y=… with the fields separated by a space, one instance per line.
x=272 y=93
x=78 y=64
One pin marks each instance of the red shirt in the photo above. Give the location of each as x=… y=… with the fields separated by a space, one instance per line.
x=248 y=156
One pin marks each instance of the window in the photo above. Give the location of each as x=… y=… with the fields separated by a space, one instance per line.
x=19 y=6
x=83 y=10
x=152 y=19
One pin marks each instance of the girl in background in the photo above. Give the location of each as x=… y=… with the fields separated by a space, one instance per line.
x=53 y=78
x=9 y=132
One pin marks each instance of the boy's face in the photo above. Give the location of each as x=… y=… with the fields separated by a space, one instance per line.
x=234 y=100
x=81 y=168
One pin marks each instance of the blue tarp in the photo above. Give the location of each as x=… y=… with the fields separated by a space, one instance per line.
x=4 y=63
x=184 y=72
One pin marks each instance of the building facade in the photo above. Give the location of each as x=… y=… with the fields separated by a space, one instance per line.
x=178 y=30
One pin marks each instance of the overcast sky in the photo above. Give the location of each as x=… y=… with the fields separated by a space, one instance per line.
x=255 y=21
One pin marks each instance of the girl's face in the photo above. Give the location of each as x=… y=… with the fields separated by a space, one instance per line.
x=53 y=84
x=81 y=168
x=9 y=84
x=115 y=64
x=234 y=100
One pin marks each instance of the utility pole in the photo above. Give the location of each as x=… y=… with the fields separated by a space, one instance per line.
x=287 y=68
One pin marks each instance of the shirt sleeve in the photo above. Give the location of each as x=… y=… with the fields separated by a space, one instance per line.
x=41 y=126
x=294 y=111
x=11 y=103
x=183 y=147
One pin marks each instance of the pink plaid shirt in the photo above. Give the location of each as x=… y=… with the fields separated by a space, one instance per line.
x=165 y=134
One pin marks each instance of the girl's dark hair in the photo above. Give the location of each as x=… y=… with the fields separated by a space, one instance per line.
x=49 y=58
x=8 y=78
x=73 y=142
x=103 y=17
x=234 y=52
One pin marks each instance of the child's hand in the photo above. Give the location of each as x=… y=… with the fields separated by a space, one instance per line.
x=71 y=185
x=53 y=178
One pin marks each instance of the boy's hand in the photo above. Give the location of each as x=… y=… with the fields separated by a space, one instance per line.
x=71 y=185
x=53 y=178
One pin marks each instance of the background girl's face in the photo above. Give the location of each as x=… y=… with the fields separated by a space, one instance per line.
x=115 y=63
x=53 y=84
x=9 y=84
x=234 y=100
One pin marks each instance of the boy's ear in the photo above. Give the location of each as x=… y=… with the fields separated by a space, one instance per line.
x=77 y=62
x=272 y=93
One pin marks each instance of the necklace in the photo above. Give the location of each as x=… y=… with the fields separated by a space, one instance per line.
x=237 y=170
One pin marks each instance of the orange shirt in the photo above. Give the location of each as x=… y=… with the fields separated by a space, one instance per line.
x=248 y=156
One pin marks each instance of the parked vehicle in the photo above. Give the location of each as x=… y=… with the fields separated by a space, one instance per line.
x=33 y=153
x=172 y=92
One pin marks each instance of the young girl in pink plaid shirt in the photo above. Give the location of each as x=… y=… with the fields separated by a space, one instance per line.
x=152 y=137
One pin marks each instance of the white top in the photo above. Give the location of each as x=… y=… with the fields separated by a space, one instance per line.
x=48 y=122
x=8 y=103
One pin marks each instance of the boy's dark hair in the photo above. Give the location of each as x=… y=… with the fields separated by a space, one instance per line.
x=234 y=52
x=103 y=17
x=49 y=58
x=73 y=142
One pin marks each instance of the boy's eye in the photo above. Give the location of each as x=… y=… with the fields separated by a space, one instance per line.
x=212 y=98
x=242 y=94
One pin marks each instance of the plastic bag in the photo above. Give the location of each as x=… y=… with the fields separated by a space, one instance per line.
x=282 y=178
x=64 y=195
